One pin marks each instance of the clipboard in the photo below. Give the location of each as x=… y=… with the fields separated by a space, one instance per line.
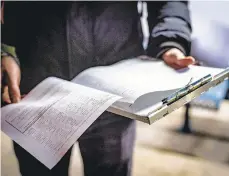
x=177 y=100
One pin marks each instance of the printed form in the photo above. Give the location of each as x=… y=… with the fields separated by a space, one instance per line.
x=55 y=114
x=49 y=120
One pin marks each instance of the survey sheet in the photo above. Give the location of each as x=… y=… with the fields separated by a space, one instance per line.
x=50 y=119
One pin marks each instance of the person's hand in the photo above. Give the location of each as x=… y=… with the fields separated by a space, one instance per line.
x=176 y=59
x=10 y=80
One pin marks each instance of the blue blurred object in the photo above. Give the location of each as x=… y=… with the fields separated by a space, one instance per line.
x=212 y=98
x=210 y=46
x=209 y=100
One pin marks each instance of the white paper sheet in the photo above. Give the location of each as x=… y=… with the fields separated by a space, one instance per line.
x=56 y=113
x=52 y=117
x=135 y=77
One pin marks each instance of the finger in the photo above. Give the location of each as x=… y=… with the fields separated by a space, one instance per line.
x=14 y=92
x=170 y=60
x=184 y=62
x=12 y=72
x=5 y=95
x=1 y=75
x=173 y=54
x=174 y=66
x=178 y=63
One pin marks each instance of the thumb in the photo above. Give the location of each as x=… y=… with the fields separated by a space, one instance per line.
x=185 y=61
x=14 y=92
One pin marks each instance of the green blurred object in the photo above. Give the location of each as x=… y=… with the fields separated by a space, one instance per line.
x=7 y=50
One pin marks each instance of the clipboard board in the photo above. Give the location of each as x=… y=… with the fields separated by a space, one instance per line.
x=186 y=97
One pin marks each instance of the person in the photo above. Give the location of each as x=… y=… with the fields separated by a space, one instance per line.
x=64 y=38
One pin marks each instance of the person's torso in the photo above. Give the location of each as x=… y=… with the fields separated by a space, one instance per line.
x=64 y=38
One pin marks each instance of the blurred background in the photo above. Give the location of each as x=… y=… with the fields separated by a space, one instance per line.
x=192 y=141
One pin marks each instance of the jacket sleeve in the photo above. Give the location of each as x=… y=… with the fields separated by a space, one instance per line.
x=9 y=31
x=169 y=27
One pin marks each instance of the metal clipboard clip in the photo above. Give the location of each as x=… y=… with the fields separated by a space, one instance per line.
x=187 y=89
x=190 y=87
x=178 y=99
x=186 y=94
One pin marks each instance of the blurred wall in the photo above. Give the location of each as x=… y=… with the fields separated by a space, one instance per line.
x=211 y=10
x=210 y=22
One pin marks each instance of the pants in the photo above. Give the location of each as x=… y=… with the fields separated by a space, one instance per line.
x=106 y=148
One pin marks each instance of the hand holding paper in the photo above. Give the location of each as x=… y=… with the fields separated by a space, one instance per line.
x=176 y=59
x=10 y=80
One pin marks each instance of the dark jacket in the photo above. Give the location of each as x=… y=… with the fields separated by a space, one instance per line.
x=63 y=38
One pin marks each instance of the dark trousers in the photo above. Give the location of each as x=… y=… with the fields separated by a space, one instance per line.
x=106 y=148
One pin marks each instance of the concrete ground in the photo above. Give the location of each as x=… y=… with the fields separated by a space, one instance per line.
x=161 y=150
